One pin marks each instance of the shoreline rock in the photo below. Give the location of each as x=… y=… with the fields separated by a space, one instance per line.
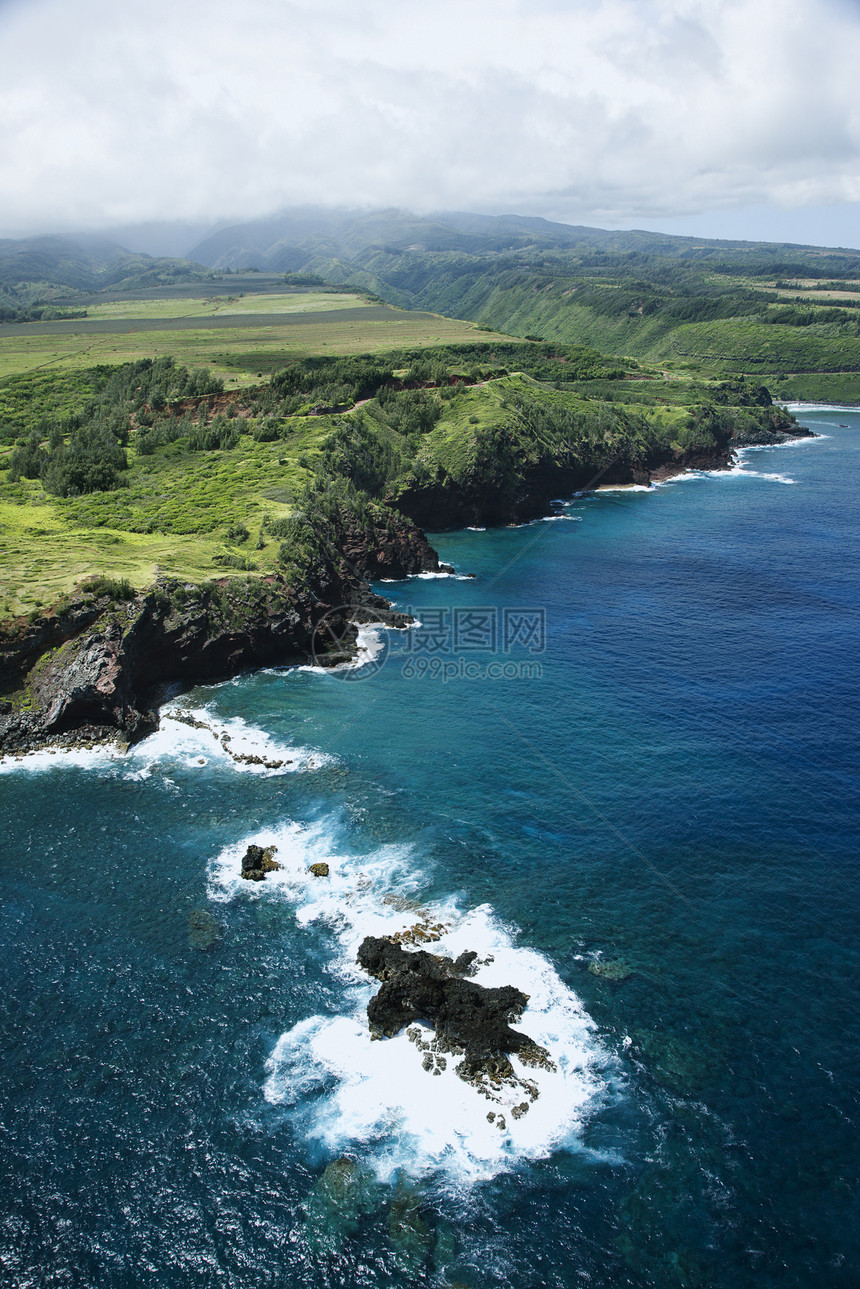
x=258 y=861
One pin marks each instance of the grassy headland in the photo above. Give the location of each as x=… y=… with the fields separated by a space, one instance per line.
x=150 y=468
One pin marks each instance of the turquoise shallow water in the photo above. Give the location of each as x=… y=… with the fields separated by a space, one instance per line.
x=662 y=776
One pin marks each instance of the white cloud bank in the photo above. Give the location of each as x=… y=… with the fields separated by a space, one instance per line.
x=595 y=111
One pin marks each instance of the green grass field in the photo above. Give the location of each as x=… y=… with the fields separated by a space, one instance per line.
x=172 y=518
x=206 y=307
x=240 y=355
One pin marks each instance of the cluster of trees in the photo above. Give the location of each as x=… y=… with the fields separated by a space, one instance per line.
x=329 y=382
x=738 y=393
x=340 y=382
x=85 y=451
x=363 y=451
x=155 y=382
x=220 y=434
x=38 y=313
x=90 y=460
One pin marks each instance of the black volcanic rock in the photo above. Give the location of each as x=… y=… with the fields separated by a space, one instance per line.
x=467 y=1017
x=257 y=862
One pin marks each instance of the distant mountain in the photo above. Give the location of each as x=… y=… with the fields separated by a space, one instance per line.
x=47 y=267
x=290 y=241
x=787 y=312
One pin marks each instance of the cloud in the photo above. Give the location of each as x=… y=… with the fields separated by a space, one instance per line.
x=602 y=112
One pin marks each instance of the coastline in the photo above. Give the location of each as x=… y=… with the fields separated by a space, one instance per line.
x=95 y=671
x=173 y=1001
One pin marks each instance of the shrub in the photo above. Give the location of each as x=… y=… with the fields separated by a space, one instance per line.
x=28 y=460
x=118 y=588
x=228 y=559
x=283 y=527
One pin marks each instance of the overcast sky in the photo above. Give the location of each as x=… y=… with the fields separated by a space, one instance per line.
x=727 y=117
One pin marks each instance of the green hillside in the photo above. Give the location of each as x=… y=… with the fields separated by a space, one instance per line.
x=148 y=468
x=35 y=272
x=787 y=313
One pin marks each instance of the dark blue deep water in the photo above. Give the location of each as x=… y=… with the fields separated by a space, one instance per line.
x=647 y=814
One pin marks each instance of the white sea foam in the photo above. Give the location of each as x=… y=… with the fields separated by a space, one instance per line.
x=346 y=1091
x=742 y=471
x=736 y=471
x=95 y=758
x=806 y=441
x=369 y=644
x=429 y=577
x=819 y=407
x=214 y=740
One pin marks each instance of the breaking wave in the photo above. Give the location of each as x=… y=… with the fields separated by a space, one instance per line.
x=405 y=1110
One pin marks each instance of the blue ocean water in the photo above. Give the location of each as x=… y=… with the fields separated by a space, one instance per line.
x=622 y=763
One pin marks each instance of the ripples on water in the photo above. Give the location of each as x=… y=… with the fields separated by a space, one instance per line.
x=657 y=840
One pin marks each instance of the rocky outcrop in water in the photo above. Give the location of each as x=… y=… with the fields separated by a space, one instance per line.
x=469 y=1019
x=258 y=861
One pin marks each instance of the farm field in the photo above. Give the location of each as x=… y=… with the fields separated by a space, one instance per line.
x=240 y=338
x=188 y=306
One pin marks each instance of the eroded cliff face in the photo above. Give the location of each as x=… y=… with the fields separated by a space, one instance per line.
x=518 y=495
x=97 y=666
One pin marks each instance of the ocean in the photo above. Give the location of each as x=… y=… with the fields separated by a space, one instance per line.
x=617 y=757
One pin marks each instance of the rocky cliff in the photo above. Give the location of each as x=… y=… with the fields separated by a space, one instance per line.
x=515 y=490
x=97 y=666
